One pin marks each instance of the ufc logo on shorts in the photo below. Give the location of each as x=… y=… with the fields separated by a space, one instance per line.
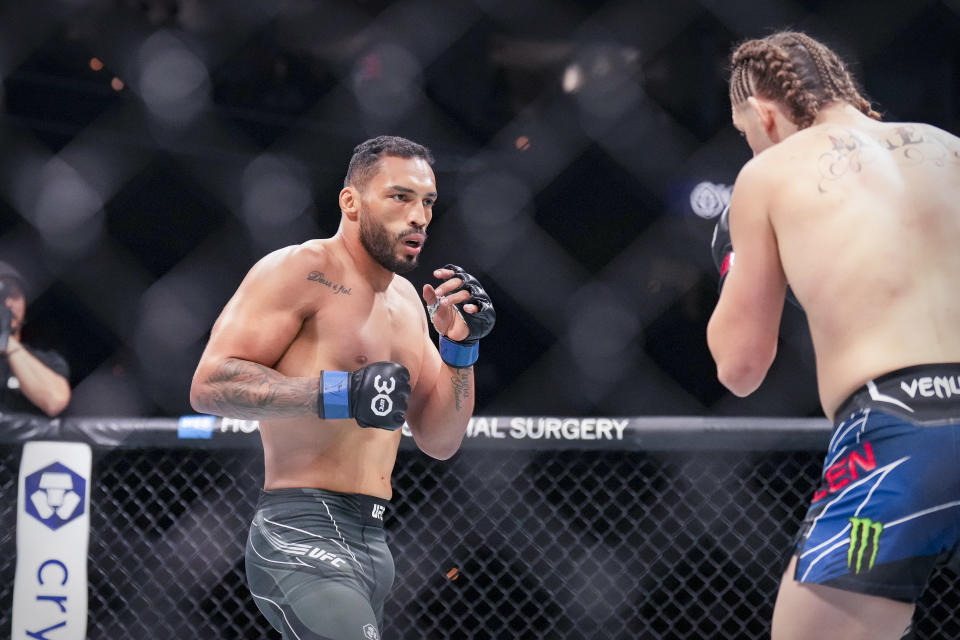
x=378 y=510
x=382 y=404
x=325 y=556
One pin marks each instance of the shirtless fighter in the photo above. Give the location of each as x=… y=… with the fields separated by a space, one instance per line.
x=862 y=219
x=330 y=351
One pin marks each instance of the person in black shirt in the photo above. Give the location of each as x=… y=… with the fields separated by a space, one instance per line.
x=31 y=380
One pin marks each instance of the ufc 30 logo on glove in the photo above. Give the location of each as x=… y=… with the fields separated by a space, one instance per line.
x=381 y=403
x=374 y=395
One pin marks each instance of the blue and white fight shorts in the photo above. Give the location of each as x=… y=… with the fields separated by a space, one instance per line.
x=887 y=510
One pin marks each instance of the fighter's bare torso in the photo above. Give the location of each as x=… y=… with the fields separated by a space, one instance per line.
x=347 y=324
x=336 y=304
x=867 y=222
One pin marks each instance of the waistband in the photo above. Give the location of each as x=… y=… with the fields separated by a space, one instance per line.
x=925 y=394
x=369 y=510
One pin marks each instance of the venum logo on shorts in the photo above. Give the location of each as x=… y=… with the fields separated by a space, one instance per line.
x=370 y=632
x=864 y=544
x=930 y=386
x=382 y=404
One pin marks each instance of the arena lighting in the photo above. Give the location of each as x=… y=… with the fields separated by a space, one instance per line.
x=708 y=199
x=174 y=83
x=572 y=78
x=96 y=64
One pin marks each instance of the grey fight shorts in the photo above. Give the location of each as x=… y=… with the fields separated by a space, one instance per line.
x=318 y=565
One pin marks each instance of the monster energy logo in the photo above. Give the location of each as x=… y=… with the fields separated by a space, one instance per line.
x=864 y=543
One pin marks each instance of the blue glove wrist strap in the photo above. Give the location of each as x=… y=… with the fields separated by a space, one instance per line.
x=334 y=396
x=458 y=355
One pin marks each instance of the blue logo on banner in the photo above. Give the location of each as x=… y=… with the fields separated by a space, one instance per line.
x=55 y=495
x=196 y=427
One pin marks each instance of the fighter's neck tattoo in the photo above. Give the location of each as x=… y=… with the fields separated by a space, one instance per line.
x=909 y=144
x=337 y=288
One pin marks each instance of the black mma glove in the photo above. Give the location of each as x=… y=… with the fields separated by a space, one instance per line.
x=374 y=395
x=463 y=353
x=722 y=247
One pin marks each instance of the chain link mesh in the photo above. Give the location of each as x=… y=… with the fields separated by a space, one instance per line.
x=150 y=156
x=559 y=544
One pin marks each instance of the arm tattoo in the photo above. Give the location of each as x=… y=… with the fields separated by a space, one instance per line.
x=243 y=389
x=461 y=387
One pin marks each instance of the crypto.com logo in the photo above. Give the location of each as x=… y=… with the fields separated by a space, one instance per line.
x=55 y=495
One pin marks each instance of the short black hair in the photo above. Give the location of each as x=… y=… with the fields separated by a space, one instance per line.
x=367 y=154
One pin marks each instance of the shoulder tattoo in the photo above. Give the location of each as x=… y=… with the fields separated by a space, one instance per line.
x=909 y=144
x=848 y=153
x=913 y=144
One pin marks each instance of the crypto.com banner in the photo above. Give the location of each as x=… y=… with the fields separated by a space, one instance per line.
x=53 y=531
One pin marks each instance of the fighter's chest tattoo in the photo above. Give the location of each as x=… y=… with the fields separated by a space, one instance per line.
x=337 y=287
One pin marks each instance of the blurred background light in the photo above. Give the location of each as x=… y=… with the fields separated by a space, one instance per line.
x=68 y=212
x=708 y=200
x=387 y=81
x=605 y=79
x=173 y=81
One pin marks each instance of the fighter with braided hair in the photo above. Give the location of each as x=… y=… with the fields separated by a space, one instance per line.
x=862 y=219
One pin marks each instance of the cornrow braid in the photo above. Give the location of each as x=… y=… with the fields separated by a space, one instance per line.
x=841 y=78
x=796 y=70
x=816 y=53
x=767 y=69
